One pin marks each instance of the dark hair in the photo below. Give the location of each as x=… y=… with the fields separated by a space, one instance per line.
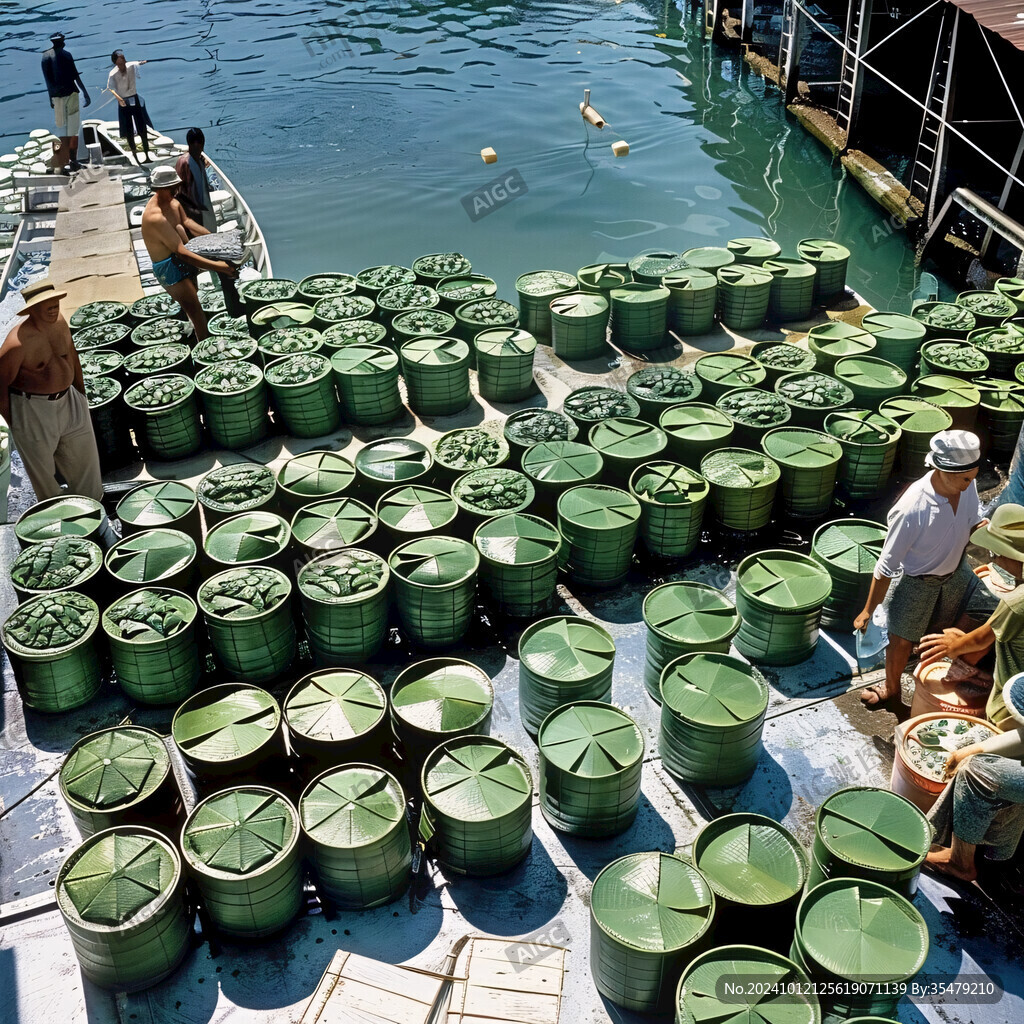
x=115 y=55
x=195 y=135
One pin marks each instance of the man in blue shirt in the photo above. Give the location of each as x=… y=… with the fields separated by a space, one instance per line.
x=63 y=83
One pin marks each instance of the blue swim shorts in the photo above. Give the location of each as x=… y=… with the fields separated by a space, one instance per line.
x=172 y=270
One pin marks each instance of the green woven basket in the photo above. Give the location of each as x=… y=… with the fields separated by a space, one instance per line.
x=960 y=398
x=639 y=317
x=792 y=292
x=1002 y=414
x=780 y=595
x=437 y=266
x=355 y=331
x=657 y=388
x=990 y=308
x=562 y=660
x=672 y=499
x=779 y=358
x=99 y=362
x=302 y=390
x=160 y=503
x=166 y=415
x=227 y=730
x=235 y=403
x=709 y=257
x=651 y=267
x=528 y=427
x=390 y=461
x=599 y=526
x=579 y=326
x=248 y=539
x=692 y=299
x=742 y=487
x=151 y=306
x=555 y=466
x=836 y=339
x=482 y=314
x=344 y=598
x=898 y=337
x=811 y=396
x=415 y=511
x=313 y=476
x=601 y=278
x=595 y=403
x=66 y=515
x=808 y=462
x=871 y=380
x=435 y=588
x=870 y=442
x=248 y=617
x=830 y=260
x=367 y=380
x=121 y=776
x=848 y=549
x=288 y=341
x=466 y=448
x=354 y=824
x=111 y=423
x=536 y=291
x=437 y=700
x=461 y=288
x=712 y=714
x=262 y=291
x=224 y=348
x=329 y=525
x=436 y=372
x=373 y=280
x=625 y=444
x=230 y=490
x=518 y=563
x=121 y=895
x=66 y=563
x=241 y=846
x=945 y=319
x=1002 y=346
x=720 y=372
x=336 y=716
x=955 y=358
x=683 y=618
x=483 y=493
x=52 y=645
x=421 y=323
x=919 y=420
x=161 y=331
x=650 y=914
x=753 y=251
x=744 y=294
x=591 y=760
x=504 y=363
x=317 y=286
x=754 y=412
x=113 y=334
x=695 y=430
x=477 y=797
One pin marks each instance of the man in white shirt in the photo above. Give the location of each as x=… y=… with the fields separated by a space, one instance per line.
x=924 y=553
x=131 y=110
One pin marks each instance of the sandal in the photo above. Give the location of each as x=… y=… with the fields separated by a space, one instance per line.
x=877 y=692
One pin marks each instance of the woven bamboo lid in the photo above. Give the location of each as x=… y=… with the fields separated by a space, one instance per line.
x=692 y=280
x=239 y=831
x=893 y=326
x=248 y=537
x=225 y=723
x=581 y=305
x=738 y=468
x=333 y=523
x=332 y=705
x=343 y=577
x=691 y=613
x=790 y=269
x=442 y=695
x=838 y=338
x=655 y=265
x=477 y=779
x=728 y=370
x=114 y=767
x=916 y=414
x=532 y=426
x=435 y=561
x=435 y=351
x=158 y=394
x=862 y=426
x=364 y=360
x=505 y=341
x=51 y=623
x=1004 y=396
x=562 y=462
x=117 y=875
x=699 y=423
x=652 y=901
x=849 y=545
x=228 y=378
x=320 y=474
x=238 y=488
x=754 y=249
x=64 y=516
x=156 y=503
x=947 y=391
x=668 y=483
x=801 y=449
x=715 y=690
x=545 y=283
x=590 y=739
x=351 y=806
x=394 y=460
x=784 y=581
x=621 y=437
x=60 y=564
x=244 y=593
x=150 y=556
x=566 y=648
x=149 y=615
x=416 y=509
x=596 y=507
x=869 y=373
x=516 y=539
x=744 y=275
x=874 y=829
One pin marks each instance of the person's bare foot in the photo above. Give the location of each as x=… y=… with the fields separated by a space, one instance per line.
x=942 y=861
x=876 y=695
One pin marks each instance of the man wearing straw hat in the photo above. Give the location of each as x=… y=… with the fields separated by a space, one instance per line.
x=922 y=572
x=42 y=397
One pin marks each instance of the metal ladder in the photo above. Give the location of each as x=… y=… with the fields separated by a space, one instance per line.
x=786 y=41
x=848 y=78
x=922 y=183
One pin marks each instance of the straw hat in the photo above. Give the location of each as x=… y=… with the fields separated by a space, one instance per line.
x=1004 y=534
x=37 y=293
x=1013 y=697
x=164 y=177
x=954 y=451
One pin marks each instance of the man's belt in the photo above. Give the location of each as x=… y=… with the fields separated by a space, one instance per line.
x=35 y=394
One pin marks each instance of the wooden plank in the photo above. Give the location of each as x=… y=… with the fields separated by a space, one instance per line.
x=107 y=265
x=546 y=976
x=318 y=1000
x=391 y=1007
x=389 y=978
x=509 y=1007
x=102 y=221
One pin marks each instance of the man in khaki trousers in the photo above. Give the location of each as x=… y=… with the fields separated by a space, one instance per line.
x=42 y=398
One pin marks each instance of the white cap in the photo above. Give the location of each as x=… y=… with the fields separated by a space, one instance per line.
x=954 y=451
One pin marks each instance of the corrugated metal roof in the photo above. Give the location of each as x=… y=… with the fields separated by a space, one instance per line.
x=1004 y=17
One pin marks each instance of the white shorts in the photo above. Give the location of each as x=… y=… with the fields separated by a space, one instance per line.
x=66 y=111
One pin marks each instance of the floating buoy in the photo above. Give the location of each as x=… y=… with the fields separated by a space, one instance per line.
x=488 y=156
x=620 y=148
x=589 y=113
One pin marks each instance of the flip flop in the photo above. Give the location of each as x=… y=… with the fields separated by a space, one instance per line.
x=878 y=691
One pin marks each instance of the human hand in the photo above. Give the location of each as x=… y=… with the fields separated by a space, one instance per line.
x=120 y=102
x=955 y=759
x=230 y=270
x=936 y=646
x=860 y=624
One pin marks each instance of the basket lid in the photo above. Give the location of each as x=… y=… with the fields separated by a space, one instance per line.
x=597 y=507
x=624 y=438
x=894 y=326
x=744 y=275
x=332 y=705
x=714 y=689
x=668 y=483
x=335 y=522
x=492 y=491
x=656 y=264
x=738 y=468
x=636 y=293
x=318 y=474
x=532 y=426
x=709 y=257
x=591 y=740
x=1001 y=395
x=750 y=859
x=852 y=545
x=545 y=283
x=869 y=372
x=394 y=459
x=236 y=488
x=237 y=831
x=652 y=901
x=115 y=767
x=51 y=622
x=64 y=516
x=466 y=448
x=916 y=415
x=566 y=648
x=343 y=577
x=58 y=564
x=248 y=537
x=355 y=331
x=517 y=539
x=476 y=778
x=353 y=805
x=822 y=249
x=150 y=555
x=505 y=341
x=858 y=929
x=758 y=248
x=435 y=351
x=225 y=722
x=665 y=384
x=115 y=875
x=799 y=448
x=696 y=422
x=154 y=394
x=874 y=829
x=441 y=264
x=149 y=615
x=809 y=389
x=691 y=613
x=862 y=426
x=945 y=390
x=689 y=280
x=728 y=369
x=156 y=503
x=416 y=509
x=579 y=304
x=228 y=377
x=442 y=695
x=297 y=370
x=559 y=462
x=364 y=359
x=789 y=268
x=244 y=593
x=100 y=390
x=435 y=561
x=784 y=581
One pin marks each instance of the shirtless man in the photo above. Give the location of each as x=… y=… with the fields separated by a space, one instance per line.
x=165 y=230
x=42 y=397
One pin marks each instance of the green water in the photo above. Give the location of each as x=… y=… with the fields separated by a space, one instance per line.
x=356 y=150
